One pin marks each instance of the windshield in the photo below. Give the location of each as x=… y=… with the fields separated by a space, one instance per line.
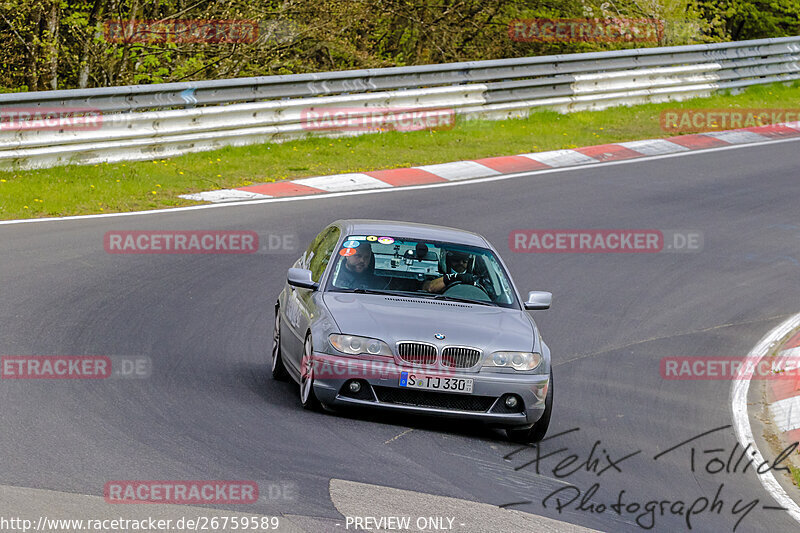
x=430 y=269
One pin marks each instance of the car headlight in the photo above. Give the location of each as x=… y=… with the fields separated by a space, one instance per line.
x=516 y=360
x=354 y=345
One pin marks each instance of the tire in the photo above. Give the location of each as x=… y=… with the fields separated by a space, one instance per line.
x=278 y=370
x=307 y=397
x=539 y=429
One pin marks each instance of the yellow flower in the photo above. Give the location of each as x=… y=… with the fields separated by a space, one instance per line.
x=154 y=192
x=24 y=207
x=181 y=172
x=218 y=159
x=92 y=186
x=117 y=181
x=3 y=181
x=157 y=185
x=219 y=175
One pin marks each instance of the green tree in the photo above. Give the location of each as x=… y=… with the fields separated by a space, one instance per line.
x=47 y=44
x=740 y=20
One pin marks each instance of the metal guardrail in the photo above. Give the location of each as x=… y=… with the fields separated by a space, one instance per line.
x=143 y=122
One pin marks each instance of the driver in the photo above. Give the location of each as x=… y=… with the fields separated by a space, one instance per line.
x=457 y=266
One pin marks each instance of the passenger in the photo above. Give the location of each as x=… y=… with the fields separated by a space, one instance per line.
x=358 y=271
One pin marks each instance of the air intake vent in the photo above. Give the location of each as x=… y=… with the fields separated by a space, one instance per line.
x=460 y=357
x=440 y=400
x=431 y=302
x=418 y=353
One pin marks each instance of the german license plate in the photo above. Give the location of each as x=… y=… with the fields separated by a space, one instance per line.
x=412 y=380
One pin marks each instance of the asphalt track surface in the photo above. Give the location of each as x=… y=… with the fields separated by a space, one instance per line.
x=209 y=411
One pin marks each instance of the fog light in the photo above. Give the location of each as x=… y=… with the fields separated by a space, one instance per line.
x=355 y=387
x=511 y=402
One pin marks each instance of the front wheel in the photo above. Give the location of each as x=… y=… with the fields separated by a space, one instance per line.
x=537 y=432
x=307 y=397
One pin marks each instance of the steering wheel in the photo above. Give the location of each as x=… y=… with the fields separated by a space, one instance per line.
x=476 y=283
x=459 y=289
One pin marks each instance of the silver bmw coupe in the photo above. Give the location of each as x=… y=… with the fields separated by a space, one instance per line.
x=412 y=317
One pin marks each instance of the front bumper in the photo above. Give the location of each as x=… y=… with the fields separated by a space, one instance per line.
x=381 y=390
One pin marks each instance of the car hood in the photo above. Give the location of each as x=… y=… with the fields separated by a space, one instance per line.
x=398 y=318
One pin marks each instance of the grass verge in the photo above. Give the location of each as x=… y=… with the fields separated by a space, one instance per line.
x=795 y=474
x=133 y=186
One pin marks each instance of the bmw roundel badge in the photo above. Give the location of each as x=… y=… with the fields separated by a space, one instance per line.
x=439 y=336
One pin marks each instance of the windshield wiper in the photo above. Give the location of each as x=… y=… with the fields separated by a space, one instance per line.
x=463 y=300
x=365 y=291
x=392 y=292
x=415 y=294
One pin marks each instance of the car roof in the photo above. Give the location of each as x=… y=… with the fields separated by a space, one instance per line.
x=411 y=230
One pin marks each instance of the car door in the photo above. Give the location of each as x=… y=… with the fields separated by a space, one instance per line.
x=300 y=308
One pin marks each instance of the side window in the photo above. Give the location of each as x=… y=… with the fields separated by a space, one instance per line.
x=319 y=254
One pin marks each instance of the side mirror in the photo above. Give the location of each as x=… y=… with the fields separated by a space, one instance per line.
x=300 y=277
x=539 y=300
